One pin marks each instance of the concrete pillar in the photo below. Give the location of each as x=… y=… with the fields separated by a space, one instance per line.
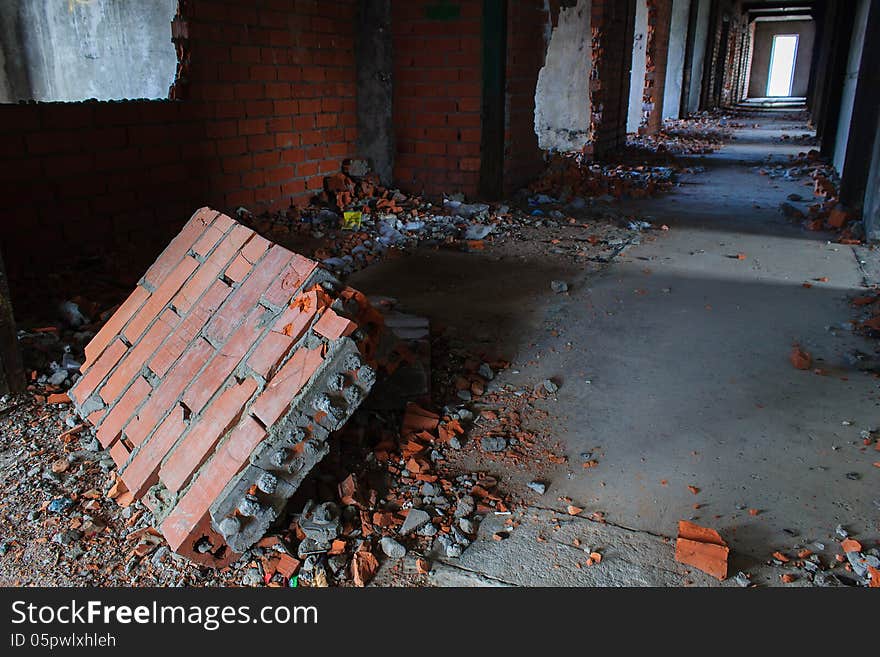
x=638 y=68
x=860 y=105
x=375 y=139
x=678 y=35
x=850 y=139
x=11 y=371
x=701 y=12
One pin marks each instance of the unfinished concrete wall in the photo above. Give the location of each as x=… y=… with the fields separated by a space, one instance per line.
x=562 y=95
x=639 y=66
x=375 y=77
x=678 y=31
x=102 y=49
x=701 y=42
x=762 y=51
x=850 y=85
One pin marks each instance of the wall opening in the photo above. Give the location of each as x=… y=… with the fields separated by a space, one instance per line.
x=782 y=63
x=74 y=50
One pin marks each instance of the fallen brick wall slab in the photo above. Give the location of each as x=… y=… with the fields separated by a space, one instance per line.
x=217 y=382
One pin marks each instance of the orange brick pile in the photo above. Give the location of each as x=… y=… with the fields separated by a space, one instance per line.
x=217 y=382
x=568 y=176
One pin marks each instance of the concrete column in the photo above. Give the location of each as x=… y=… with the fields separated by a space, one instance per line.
x=638 y=69
x=678 y=34
x=860 y=105
x=11 y=371
x=700 y=43
x=375 y=140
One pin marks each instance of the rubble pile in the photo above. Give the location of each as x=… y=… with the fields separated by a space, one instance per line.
x=216 y=384
x=696 y=136
x=852 y=565
x=356 y=221
x=569 y=176
x=825 y=212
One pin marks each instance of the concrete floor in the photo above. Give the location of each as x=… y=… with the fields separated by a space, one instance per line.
x=678 y=375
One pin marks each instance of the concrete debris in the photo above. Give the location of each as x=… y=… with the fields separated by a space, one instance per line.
x=559 y=286
x=415 y=519
x=494 y=444
x=538 y=487
x=826 y=213
x=392 y=548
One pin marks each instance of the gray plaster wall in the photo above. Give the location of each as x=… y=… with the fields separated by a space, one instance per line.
x=639 y=68
x=701 y=38
x=678 y=31
x=850 y=84
x=763 y=48
x=373 y=47
x=562 y=94
x=72 y=50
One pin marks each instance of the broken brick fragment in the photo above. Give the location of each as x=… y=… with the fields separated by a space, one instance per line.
x=702 y=548
x=800 y=359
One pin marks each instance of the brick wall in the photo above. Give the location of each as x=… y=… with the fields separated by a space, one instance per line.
x=266 y=108
x=437 y=95
x=657 y=52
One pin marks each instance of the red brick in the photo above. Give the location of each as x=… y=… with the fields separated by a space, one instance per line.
x=177 y=249
x=189 y=328
x=114 y=325
x=88 y=383
x=112 y=425
x=119 y=452
x=163 y=294
x=333 y=327
x=232 y=456
x=210 y=270
x=238 y=269
x=275 y=400
x=255 y=248
x=285 y=286
x=269 y=353
x=200 y=441
x=167 y=393
x=247 y=296
x=131 y=365
x=208 y=240
x=143 y=471
x=224 y=362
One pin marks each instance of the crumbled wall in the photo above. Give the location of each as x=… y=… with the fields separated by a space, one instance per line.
x=562 y=94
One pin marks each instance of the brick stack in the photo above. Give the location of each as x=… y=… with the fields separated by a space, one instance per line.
x=217 y=382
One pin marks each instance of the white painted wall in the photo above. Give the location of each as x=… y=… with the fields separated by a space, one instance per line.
x=562 y=95
x=639 y=68
x=678 y=31
x=849 y=86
